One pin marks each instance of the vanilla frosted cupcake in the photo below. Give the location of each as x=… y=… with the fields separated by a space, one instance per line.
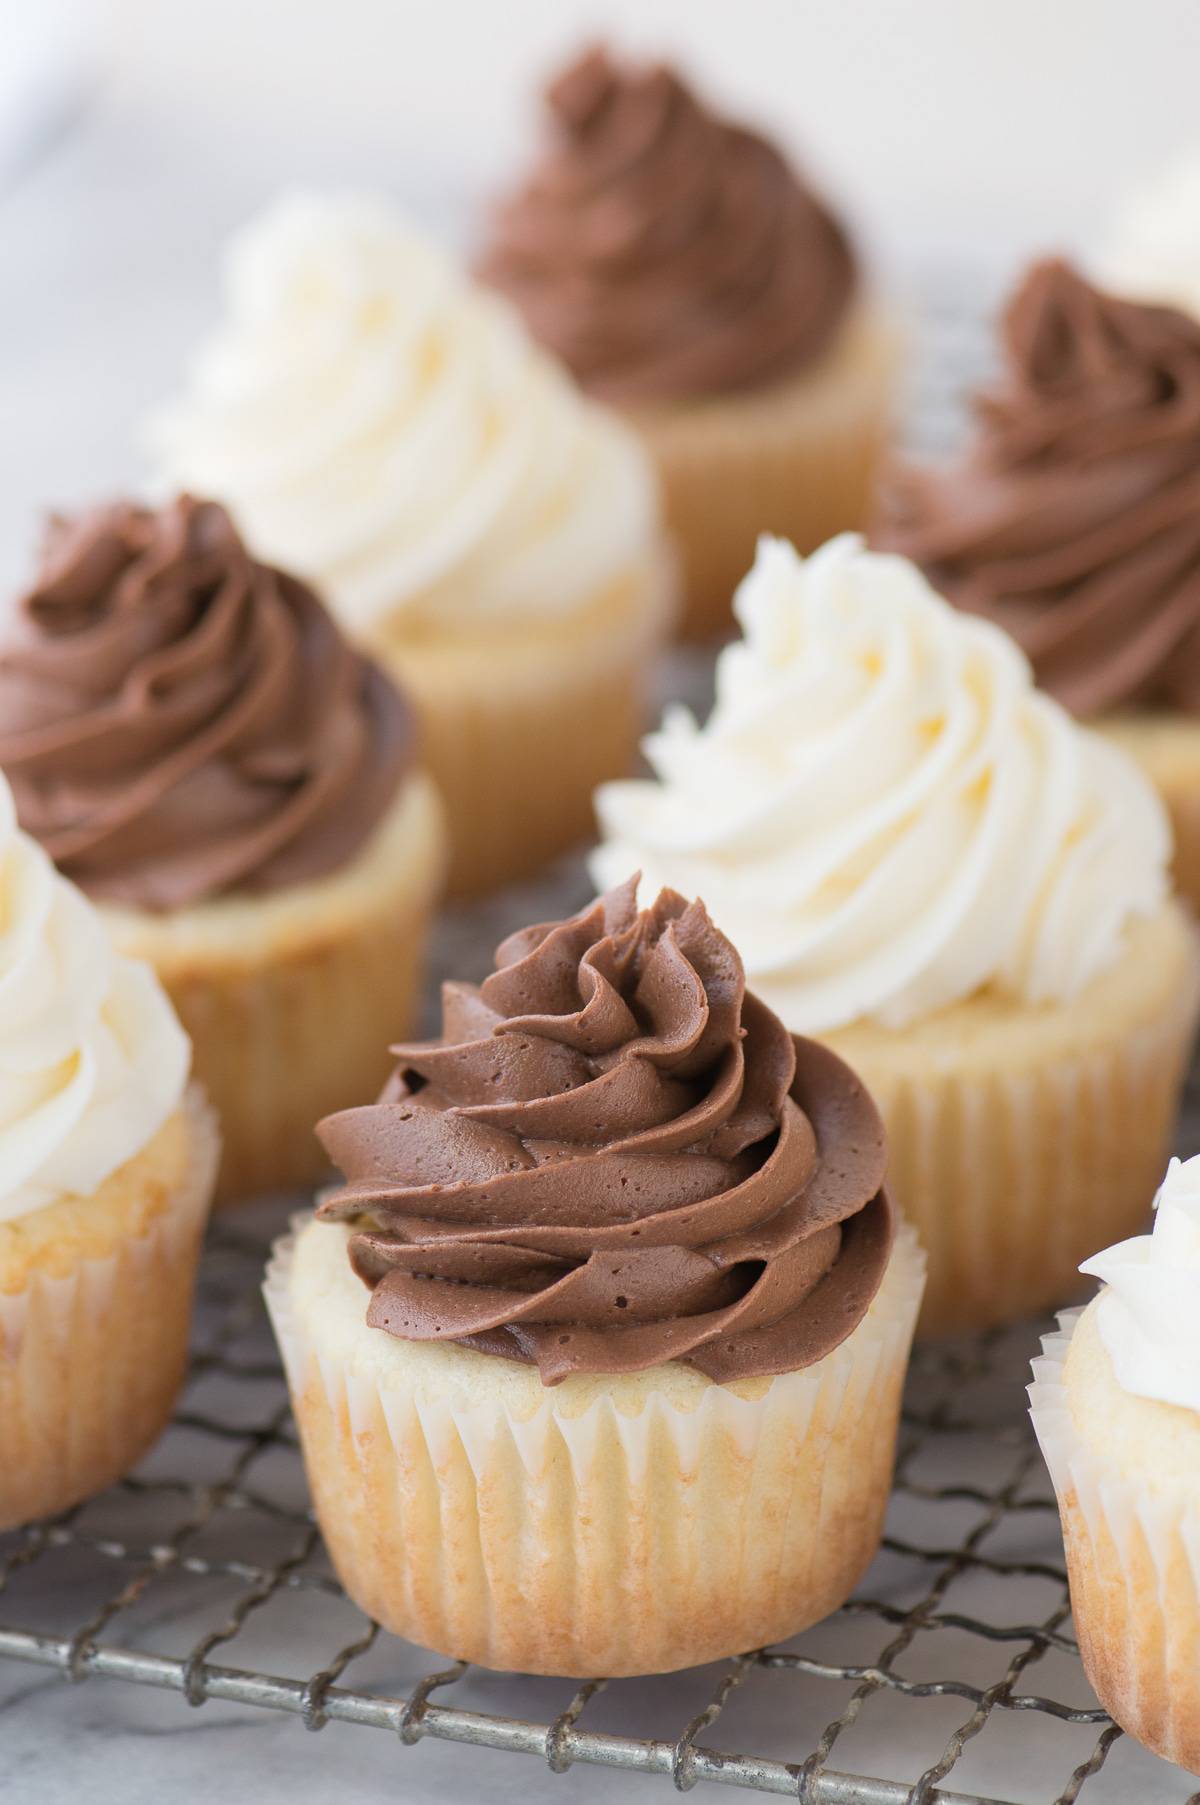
x=1153 y=249
x=686 y=274
x=925 y=862
x=391 y=433
x=106 y=1170
x=1116 y=1406
x=192 y=741
x=1073 y=521
x=596 y=1356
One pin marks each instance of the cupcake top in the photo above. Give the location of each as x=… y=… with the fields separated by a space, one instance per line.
x=1154 y=251
x=178 y=720
x=92 y=1059
x=1073 y=519
x=1148 y=1314
x=614 y=1156
x=664 y=252
x=377 y=424
x=881 y=811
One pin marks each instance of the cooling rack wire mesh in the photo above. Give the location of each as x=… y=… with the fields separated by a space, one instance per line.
x=950 y=1678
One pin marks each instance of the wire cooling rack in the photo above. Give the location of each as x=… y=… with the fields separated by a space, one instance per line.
x=951 y=1677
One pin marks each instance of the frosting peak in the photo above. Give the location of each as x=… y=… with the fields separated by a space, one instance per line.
x=661 y=251
x=1073 y=519
x=178 y=720
x=1148 y=1315
x=92 y=1059
x=385 y=429
x=881 y=810
x=614 y=1157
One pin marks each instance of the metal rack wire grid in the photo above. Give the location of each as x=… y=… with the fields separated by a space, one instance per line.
x=950 y=1678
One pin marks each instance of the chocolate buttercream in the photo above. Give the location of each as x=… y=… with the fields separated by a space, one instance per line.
x=613 y=1157
x=178 y=720
x=662 y=252
x=1073 y=520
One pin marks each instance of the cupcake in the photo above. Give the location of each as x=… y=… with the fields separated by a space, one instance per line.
x=388 y=432
x=685 y=273
x=1073 y=521
x=596 y=1355
x=107 y=1162
x=927 y=864
x=191 y=740
x=1116 y=1406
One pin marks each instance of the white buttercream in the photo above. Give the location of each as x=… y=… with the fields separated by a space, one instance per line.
x=386 y=429
x=92 y=1059
x=882 y=813
x=1148 y=1316
x=1154 y=250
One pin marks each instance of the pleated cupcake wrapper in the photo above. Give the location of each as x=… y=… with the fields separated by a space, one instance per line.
x=798 y=460
x=306 y=1032
x=1013 y=1178
x=604 y=1541
x=518 y=743
x=1133 y=1557
x=91 y=1360
x=1184 y=811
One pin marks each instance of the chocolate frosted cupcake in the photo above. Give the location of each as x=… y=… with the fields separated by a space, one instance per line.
x=1073 y=521
x=192 y=741
x=596 y=1355
x=685 y=273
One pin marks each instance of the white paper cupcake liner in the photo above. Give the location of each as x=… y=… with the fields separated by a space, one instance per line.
x=291 y=1000
x=91 y=1360
x=1133 y=1558
x=641 y=1525
x=1013 y=1174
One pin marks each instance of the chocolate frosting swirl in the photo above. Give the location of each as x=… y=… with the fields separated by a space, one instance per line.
x=613 y=1157
x=178 y=720
x=1073 y=520
x=662 y=252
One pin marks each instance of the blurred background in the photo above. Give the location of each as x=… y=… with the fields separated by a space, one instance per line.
x=960 y=136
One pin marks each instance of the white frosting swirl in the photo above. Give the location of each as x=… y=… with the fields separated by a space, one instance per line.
x=92 y=1059
x=1154 y=250
x=882 y=813
x=1148 y=1317
x=387 y=430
